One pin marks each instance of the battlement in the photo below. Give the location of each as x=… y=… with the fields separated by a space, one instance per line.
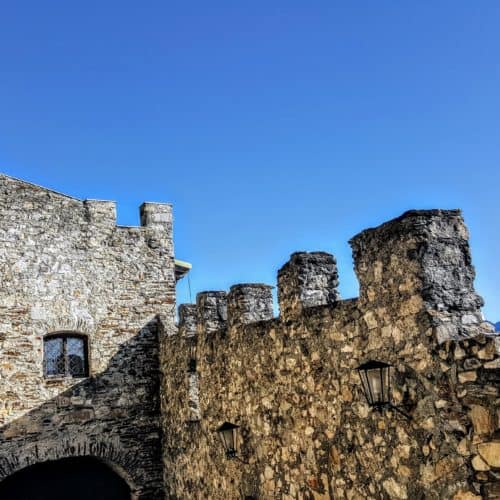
x=156 y=216
x=424 y=251
x=307 y=280
x=249 y=303
x=188 y=319
x=419 y=261
x=101 y=212
x=23 y=197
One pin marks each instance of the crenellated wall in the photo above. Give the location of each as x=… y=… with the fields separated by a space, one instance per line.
x=291 y=382
x=66 y=266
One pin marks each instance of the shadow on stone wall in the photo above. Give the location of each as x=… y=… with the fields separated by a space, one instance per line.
x=112 y=415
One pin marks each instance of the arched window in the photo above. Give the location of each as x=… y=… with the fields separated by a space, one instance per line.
x=65 y=355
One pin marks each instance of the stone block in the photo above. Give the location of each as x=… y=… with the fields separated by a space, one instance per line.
x=212 y=311
x=307 y=280
x=249 y=303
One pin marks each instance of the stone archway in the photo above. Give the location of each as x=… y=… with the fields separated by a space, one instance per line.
x=78 y=478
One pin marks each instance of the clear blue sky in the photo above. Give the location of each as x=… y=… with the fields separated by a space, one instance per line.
x=271 y=126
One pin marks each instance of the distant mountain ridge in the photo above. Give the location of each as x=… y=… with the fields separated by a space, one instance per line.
x=496 y=325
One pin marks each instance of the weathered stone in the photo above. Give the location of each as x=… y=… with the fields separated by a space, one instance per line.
x=302 y=364
x=437 y=245
x=212 y=312
x=459 y=352
x=472 y=363
x=249 y=303
x=465 y=495
x=463 y=447
x=481 y=419
x=465 y=377
x=268 y=472
x=490 y=453
x=488 y=352
x=188 y=320
x=479 y=464
x=493 y=365
x=492 y=490
x=394 y=489
x=307 y=280
x=447 y=465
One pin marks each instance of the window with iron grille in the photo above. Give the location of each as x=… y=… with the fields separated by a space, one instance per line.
x=65 y=355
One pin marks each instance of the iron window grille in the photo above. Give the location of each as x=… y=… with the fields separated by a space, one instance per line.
x=65 y=355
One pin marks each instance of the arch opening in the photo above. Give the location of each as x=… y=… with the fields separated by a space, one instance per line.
x=78 y=478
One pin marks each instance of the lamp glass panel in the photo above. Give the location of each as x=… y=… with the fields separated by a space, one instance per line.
x=366 y=386
x=386 y=384
x=378 y=381
x=227 y=436
x=375 y=382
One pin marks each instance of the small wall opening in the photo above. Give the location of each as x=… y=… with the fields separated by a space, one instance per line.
x=80 y=478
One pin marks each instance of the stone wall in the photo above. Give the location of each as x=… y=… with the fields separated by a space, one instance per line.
x=66 y=266
x=290 y=382
x=292 y=386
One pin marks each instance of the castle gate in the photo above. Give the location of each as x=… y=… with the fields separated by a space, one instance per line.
x=80 y=478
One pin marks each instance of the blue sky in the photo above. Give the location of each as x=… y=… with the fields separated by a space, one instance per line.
x=271 y=126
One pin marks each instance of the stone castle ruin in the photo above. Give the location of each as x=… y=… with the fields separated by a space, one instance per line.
x=99 y=384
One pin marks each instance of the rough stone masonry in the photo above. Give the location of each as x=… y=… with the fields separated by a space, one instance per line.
x=154 y=393
x=66 y=266
x=292 y=386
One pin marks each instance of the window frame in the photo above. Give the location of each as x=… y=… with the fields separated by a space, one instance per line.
x=65 y=335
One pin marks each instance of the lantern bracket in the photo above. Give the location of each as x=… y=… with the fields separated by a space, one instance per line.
x=236 y=457
x=399 y=410
x=390 y=406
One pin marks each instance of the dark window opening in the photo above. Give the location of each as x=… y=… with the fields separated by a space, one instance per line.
x=65 y=355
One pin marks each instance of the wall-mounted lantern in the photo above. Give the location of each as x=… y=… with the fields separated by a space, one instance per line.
x=376 y=381
x=228 y=433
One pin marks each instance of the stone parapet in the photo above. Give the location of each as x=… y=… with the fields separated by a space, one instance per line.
x=188 y=320
x=249 y=303
x=421 y=260
x=212 y=311
x=422 y=251
x=156 y=215
x=101 y=212
x=308 y=279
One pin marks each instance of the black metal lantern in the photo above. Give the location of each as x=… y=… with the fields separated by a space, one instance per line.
x=376 y=380
x=375 y=377
x=228 y=433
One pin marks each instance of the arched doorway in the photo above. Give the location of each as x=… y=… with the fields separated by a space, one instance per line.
x=81 y=478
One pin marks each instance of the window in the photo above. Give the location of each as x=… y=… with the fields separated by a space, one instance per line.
x=65 y=355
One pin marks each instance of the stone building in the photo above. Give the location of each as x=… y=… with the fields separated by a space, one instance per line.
x=96 y=379
x=82 y=300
